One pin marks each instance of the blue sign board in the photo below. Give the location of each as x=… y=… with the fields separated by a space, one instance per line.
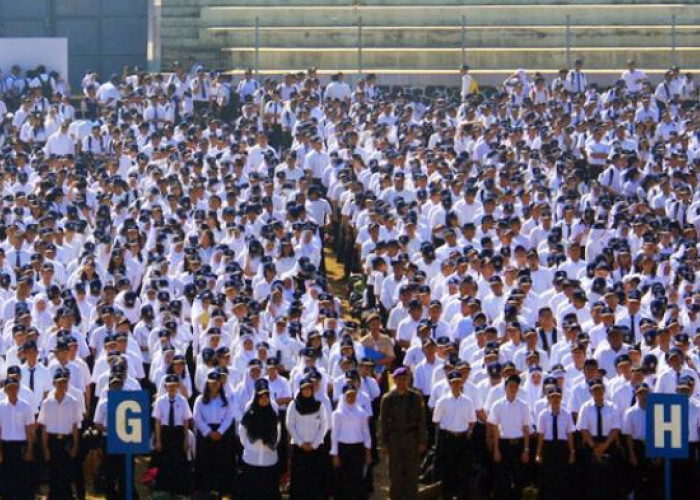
x=667 y=426
x=128 y=422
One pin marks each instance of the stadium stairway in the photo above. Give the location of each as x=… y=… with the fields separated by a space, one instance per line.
x=431 y=37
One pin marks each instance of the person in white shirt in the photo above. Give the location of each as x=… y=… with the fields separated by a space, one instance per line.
x=60 y=416
x=599 y=424
x=469 y=85
x=172 y=416
x=17 y=444
x=337 y=89
x=351 y=445
x=260 y=433
x=108 y=93
x=247 y=86
x=60 y=142
x=213 y=416
x=455 y=417
x=634 y=78
x=555 y=446
x=576 y=78
x=509 y=420
x=634 y=422
x=307 y=423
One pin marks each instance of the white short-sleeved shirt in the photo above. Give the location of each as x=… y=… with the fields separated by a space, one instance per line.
x=510 y=417
x=14 y=419
x=59 y=418
x=634 y=422
x=588 y=418
x=454 y=414
x=181 y=409
x=545 y=424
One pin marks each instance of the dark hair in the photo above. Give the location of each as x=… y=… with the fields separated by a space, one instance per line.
x=206 y=395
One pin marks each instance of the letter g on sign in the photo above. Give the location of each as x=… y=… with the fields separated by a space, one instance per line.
x=128 y=422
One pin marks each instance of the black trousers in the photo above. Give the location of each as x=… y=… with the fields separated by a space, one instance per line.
x=686 y=474
x=351 y=484
x=602 y=476
x=555 y=472
x=644 y=479
x=510 y=474
x=308 y=474
x=61 y=467
x=283 y=446
x=454 y=455
x=14 y=473
x=173 y=469
x=259 y=483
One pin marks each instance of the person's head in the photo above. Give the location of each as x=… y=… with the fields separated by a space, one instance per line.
x=401 y=377
x=262 y=393
x=641 y=391
x=60 y=380
x=454 y=378
x=597 y=389
x=306 y=387
x=349 y=394
x=172 y=384
x=554 y=396
x=11 y=389
x=675 y=358
x=512 y=385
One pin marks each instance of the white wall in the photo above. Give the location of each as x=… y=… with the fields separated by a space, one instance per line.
x=28 y=53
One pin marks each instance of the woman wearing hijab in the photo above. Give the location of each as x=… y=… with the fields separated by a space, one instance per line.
x=259 y=432
x=307 y=423
x=213 y=417
x=351 y=446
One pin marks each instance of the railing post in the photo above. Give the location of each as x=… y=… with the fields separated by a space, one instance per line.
x=674 y=41
x=359 y=45
x=257 y=45
x=464 y=40
x=568 y=40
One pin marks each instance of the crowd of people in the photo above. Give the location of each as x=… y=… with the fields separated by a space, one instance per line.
x=521 y=271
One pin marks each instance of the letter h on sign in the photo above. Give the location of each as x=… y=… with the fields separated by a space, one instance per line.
x=667 y=426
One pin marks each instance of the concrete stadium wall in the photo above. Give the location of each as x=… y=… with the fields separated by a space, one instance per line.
x=425 y=37
x=103 y=35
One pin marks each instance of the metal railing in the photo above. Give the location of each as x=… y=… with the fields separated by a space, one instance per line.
x=568 y=47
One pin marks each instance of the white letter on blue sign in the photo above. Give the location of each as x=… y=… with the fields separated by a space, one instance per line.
x=128 y=426
x=662 y=426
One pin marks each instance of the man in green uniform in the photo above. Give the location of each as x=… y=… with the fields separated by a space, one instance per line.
x=403 y=435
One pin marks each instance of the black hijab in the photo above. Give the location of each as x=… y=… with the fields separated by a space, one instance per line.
x=260 y=423
x=306 y=406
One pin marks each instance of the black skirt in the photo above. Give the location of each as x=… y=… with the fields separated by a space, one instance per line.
x=259 y=483
x=309 y=472
x=351 y=483
x=213 y=470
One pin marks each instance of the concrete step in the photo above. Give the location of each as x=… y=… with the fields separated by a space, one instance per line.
x=226 y=3
x=175 y=27
x=414 y=15
x=451 y=36
x=507 y=2
x=431 y=58
x=177 y=11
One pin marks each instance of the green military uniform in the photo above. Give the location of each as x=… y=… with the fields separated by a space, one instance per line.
x=402 y=432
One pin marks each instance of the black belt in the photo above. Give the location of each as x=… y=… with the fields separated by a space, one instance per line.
x=60 y=437
x=511 y=442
